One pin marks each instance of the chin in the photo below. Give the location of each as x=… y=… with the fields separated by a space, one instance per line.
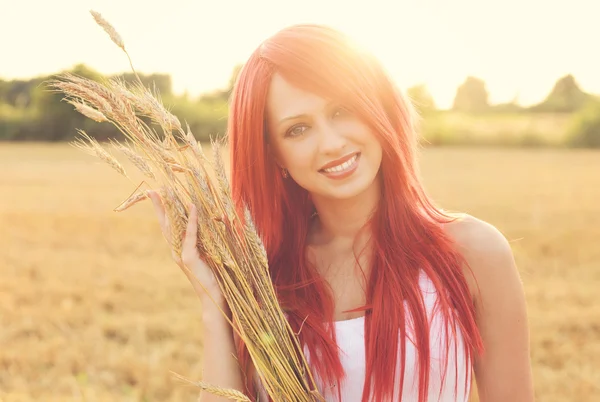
x=349 y=189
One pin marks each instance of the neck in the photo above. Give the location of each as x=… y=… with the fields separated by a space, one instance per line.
x=343 y=219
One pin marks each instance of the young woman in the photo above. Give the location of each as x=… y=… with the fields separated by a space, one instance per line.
x=395 y=299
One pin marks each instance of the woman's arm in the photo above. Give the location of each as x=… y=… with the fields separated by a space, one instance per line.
x=219 y=364
x=503 y=372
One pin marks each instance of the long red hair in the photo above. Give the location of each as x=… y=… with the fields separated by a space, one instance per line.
x=407 y=229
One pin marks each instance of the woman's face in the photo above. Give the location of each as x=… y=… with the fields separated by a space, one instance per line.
x=327 y=150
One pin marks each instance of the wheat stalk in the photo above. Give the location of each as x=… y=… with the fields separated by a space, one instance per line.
x=227 y=393
x=88 y=111
x=110 y=30
x=136 y=159
x=132 y=200
x=227 y=239
x=92 y=147
x=113 y=34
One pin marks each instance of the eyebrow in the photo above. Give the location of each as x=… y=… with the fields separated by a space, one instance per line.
x=303 y=115
x=294 y=117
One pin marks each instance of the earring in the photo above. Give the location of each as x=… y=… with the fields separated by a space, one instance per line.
x=284 y=173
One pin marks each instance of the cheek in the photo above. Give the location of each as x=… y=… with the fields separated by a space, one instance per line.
x=362 y=134
x=378 y=156
x=374 y=148
x=298 y=157
x=377 y=148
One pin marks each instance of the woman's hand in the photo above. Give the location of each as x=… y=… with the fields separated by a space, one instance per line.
x=220 y=363
x=197 y=272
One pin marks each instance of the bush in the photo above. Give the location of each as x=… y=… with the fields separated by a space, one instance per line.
x=12 y=120
x=585 y=128
x=207 y=117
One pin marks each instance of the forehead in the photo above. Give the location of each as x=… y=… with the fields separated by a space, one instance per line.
x=285 y=99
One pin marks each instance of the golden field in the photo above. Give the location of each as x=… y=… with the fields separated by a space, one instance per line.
x=93 y=309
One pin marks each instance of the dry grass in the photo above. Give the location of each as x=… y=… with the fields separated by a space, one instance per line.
x=92 y=308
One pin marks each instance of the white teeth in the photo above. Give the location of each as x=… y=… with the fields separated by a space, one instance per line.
x=343 y=166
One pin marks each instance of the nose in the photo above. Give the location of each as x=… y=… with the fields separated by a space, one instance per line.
x=331 y=140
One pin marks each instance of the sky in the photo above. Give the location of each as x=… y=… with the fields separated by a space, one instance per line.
x=518 y=47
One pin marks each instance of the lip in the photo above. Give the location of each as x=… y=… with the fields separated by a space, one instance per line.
x=344 y=173
x=338 y=161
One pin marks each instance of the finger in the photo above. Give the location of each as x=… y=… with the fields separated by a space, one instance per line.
x=156 y=202
x=177 y=258
x=159 y=208
x=191 y=230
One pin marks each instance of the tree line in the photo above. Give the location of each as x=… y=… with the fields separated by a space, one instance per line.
x=472 y=97
x=30 y=112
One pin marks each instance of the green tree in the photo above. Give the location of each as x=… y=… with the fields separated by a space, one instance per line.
x=471 y=96
x=30 y=111
x=84 y=71
x=585 y=128
x=3 y=90
x=566 y=96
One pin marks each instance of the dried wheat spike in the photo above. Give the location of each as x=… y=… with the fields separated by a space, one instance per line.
x=134 y=199
x=253 y=237
x=178 y=168
x=219 y=167
x=177 y=220
x=95 y=149
x=227 y=393
x=110 y=30
x=163 y=153
x=137 y=160
x=207 y=236
x=150 y=104
x=232 y=394
x=88 y=112
x=85 y=89
x=194 y=144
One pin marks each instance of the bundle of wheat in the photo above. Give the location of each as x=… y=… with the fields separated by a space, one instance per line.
x=227 y=240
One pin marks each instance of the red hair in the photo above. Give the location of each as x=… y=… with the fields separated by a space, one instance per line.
x=407 y=229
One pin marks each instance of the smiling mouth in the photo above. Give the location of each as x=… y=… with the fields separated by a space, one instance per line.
x=342 y=167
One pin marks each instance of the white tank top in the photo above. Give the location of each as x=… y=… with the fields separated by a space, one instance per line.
x=350 y=339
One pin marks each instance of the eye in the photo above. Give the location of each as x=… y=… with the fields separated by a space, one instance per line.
x=340 y=111
x=296 y=131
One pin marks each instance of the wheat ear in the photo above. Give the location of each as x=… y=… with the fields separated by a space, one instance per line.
x=224 y=392
x=95 y=149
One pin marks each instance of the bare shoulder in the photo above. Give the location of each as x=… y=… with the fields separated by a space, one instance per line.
x=477 y=237
x=503 y=371
x=487 y=253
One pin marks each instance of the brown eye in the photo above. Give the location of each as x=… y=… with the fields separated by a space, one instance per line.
x=296 y=131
